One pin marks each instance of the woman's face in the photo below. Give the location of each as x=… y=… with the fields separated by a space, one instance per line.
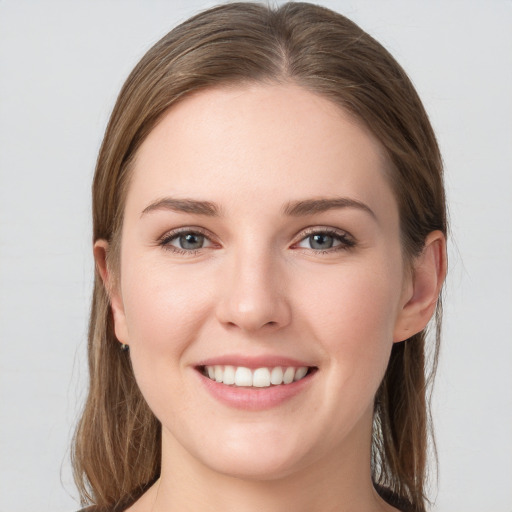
x=260 y=234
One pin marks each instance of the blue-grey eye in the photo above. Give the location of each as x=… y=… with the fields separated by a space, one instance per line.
x=190 y=241
x=326 y=240
x=186 y=241
x=321 y=241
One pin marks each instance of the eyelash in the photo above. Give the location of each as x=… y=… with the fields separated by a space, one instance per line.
x=165 y=241
x=347 y=242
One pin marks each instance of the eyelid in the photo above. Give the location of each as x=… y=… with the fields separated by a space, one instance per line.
x=312 y=230
x=347 y=240
x=168 y=236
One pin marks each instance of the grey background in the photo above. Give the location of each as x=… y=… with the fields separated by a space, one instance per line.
x=61 y=66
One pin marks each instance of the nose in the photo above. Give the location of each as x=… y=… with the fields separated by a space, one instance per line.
x=253 y=295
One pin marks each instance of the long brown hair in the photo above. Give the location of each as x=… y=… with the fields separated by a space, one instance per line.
x=117 y=442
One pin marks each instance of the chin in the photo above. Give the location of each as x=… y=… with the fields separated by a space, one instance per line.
x=255 y=467
x=261 y=456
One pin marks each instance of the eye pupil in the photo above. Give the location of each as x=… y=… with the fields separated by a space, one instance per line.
x=321 y=241
x=191 y=241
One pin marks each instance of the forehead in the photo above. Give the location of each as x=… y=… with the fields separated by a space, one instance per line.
x=243 y=143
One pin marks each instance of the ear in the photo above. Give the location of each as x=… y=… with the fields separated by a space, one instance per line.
x=422 y=291
x=112 y=288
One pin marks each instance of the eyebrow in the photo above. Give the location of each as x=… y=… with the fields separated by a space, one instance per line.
x=184 y=206
x=293 y=208
x=312 y=206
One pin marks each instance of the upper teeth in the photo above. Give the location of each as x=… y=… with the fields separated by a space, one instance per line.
x=259 y=378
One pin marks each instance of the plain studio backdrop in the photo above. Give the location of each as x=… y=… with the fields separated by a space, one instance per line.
x=61 y=67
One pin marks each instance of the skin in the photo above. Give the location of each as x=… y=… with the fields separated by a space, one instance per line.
x=258 y=287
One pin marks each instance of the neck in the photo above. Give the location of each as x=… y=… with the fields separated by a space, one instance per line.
x=338 y=482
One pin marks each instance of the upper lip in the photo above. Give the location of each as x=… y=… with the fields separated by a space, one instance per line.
x=268 y=361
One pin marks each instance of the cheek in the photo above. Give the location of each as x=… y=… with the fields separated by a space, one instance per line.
x=159 y=301
x=163 y=310
x=356 y=299
x=352 y=313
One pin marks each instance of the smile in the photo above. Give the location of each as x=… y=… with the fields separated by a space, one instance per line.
x=240 y=376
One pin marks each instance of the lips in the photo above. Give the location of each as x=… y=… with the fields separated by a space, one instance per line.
x=255 y=383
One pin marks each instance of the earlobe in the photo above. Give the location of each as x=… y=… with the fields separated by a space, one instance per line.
x=112 y=288
x=428 y=274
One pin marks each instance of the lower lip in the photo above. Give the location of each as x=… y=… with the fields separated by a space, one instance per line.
x=255 y=399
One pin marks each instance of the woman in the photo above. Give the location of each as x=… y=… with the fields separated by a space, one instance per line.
x=269 y=234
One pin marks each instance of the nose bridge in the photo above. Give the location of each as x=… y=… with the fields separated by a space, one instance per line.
x=253 y=293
